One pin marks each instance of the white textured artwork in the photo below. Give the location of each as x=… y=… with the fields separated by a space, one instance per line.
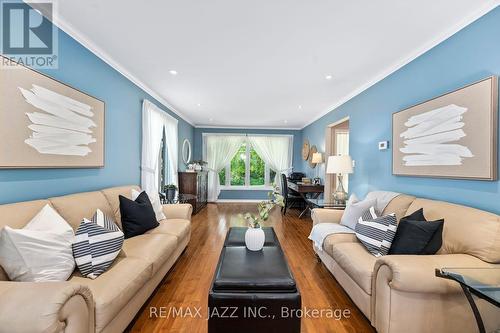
x=62 y=127
x=430 y=136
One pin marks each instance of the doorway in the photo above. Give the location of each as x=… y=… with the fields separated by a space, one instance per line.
x=337 y=143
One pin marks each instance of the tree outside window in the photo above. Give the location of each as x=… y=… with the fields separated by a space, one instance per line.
x=246 y=169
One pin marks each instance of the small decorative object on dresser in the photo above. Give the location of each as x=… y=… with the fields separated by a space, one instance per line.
x=194 y=183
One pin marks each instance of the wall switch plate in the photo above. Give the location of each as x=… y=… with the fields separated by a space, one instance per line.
x=383 y=145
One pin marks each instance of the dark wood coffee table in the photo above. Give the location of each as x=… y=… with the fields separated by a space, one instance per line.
x=253 y=291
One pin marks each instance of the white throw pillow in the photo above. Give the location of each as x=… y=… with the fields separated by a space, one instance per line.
x=354 y=209
x=155 y=202
x=39 y=252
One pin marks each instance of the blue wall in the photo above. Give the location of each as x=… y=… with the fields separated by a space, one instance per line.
x=248 y=194
x=82 y=70
x=468 y=56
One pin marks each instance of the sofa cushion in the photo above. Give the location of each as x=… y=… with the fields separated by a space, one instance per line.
x=154 y=249
x=40 y=251
x=357 y=262
x=114 y=288
x=466 y=230
x=176 y=227
x=138 y=216
x=73 y=208
x=97 y=244
x=112 y=194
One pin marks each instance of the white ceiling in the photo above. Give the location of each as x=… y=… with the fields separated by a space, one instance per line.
x=261 y=63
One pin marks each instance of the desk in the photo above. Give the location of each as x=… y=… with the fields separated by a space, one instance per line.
x=303 y=190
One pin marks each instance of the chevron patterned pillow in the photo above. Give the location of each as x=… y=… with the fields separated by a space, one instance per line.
x=376 y=233
x=97 y=243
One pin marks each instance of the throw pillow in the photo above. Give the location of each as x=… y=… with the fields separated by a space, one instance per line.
x=137 y=216
x=39 y=252
x=97 y=244
x=416 y=235
x=377 y=234
x=354 y=210
x=155 y=202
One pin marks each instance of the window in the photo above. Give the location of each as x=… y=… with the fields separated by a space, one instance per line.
x=246 y=169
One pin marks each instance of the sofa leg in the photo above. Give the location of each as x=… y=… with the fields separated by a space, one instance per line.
x=318 y=259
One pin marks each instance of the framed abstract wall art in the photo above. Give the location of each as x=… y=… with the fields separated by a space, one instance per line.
x=450 y=136
x=47 y=124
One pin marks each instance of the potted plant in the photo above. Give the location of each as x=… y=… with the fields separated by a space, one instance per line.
x=254 y=236
x=170 y=190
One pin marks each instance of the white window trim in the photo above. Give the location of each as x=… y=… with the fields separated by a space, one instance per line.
x=228 y=187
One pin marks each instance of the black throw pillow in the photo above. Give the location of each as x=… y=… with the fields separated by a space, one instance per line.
x=415 y=235
x=137 y=216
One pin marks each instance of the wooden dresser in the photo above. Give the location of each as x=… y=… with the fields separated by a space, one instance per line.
x=195 y=183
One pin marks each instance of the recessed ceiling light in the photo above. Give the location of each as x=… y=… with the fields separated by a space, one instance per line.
x=211 y=119
x=285 y=121
x=328 y=77
x=300 y=107
x=173 y=72
x=199 y=104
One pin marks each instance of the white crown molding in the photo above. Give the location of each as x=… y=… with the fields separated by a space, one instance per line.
x=404 y=61
x=251 y=127
x=88 y=44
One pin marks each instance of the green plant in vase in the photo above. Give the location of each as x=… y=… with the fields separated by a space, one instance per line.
x=254 y=236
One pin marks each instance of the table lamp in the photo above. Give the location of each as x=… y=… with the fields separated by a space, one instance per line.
x=317 y=158
x=339 y=165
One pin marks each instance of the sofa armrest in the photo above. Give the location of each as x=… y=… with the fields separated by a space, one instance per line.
x=46 y=307
x=178 y=211
x=321 y=215
x=416 y=273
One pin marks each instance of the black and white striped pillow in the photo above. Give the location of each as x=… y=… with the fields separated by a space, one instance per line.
x=97 y=243
x=376 y=233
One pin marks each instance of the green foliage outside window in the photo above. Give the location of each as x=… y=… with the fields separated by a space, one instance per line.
x=257 y=169
x=222 y=177
x=238 y=167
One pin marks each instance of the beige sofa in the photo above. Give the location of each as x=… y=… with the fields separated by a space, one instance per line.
x=400 y=293
x=108 y=303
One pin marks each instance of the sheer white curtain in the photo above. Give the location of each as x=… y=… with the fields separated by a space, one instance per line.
x=275 y=151
x=154 y=123
x=171 y=140
x=220 y=151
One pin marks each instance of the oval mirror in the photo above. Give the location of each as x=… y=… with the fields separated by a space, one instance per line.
x=186 y=151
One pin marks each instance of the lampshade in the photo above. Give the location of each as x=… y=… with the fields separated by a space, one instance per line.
x=317 y=158
x=339 y=164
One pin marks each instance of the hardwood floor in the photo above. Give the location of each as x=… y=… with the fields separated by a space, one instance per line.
x=187 y=284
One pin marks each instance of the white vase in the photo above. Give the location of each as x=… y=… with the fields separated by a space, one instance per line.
x=254 y=239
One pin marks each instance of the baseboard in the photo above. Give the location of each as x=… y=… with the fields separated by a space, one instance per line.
x=237 y=200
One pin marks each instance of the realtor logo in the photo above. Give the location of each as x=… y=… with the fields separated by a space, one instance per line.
x=28 y=36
